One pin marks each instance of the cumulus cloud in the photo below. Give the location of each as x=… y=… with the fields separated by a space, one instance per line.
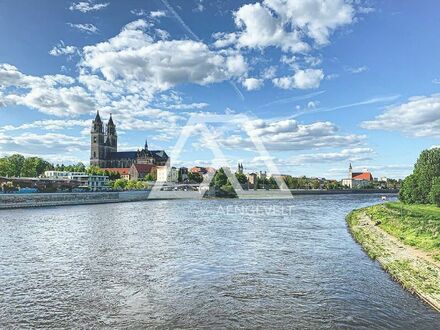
x=301 y=79
x=85 y=7
x=87 y=27
x=419 y=116
x=252 y=84
x=133 y=59
x=51 y=94
x=286 y=23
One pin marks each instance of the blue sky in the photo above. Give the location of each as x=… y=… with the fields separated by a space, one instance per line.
x=321 y=83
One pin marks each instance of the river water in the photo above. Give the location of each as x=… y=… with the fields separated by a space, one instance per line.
x=197 y=264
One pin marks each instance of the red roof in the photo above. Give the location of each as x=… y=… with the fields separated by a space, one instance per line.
x=121 y=171
x=144 y=168
x=363 y=176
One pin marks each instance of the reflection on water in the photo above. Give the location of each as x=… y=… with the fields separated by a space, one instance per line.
x=192 y=264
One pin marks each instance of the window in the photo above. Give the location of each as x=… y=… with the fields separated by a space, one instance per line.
x=94 y=154
x=94 y=139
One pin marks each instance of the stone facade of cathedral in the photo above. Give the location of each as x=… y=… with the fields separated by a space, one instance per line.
x=104 y=149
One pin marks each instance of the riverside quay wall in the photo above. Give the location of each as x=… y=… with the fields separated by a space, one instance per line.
x=9 y=201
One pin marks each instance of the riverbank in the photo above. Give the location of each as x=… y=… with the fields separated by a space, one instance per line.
x=405 y=240
x=8 y=201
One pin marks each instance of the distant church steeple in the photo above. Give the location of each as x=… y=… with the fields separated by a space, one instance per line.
x=146 y=144
x=350 y=171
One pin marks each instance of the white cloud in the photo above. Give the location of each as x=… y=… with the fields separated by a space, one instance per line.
x=85 y=7
x=189 y=106
x=356 y=70
x=49 y=143
x=157 y=13
x=139 y=12
x=288 y=134
x=49 y=125
x=87 y=27
x=419 y=116
x=301 y=79
x=286 y=24
x=51 y=94
x=252 y=84
x=132 y=60
x=352 y=154
x=436 y=81
x=261 y=29
x=62 y=49
x=316 y=18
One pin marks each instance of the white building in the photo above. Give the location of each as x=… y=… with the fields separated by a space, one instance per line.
x=357 y=179
x=93 y=182
x=167 y=174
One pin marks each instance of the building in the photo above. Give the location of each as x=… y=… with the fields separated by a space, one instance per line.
x=98 y=182
x=357 y=179
x=61 y=174
x=123 y=172
x=93 y=182
x=104 y=149
x=252 y=180
x=183 y=173
x=140 y=171
x=167 y=174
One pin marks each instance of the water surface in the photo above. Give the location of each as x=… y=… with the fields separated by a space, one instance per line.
x=221 y=263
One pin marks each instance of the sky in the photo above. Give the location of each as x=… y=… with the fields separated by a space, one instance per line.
x=320 y=83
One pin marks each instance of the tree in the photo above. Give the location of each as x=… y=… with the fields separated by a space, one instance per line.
x=15 y=164
x=434 y=194
x=195 y=177
x=220 y=178
x=149 y=177
x=120 y=184
x=416 y=188
x=241 y=178
x=34 y=167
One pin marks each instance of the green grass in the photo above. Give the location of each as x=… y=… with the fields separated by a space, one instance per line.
x=414 y=225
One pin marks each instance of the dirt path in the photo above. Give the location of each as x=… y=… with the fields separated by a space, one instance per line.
x=416 y=270
x=395 y=245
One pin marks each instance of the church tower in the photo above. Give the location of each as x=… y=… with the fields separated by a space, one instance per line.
x=112 y=137
x=97 y=150
x=350 y=172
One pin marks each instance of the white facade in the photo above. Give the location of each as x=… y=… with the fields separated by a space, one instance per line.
x=62 y=174
x=98 y=182
x=167 y=174
x=94 y=182
x=354 y=184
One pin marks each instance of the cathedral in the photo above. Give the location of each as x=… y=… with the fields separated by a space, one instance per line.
x=104 y=149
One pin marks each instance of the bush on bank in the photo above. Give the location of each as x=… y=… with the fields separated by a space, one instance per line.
x=423 y=185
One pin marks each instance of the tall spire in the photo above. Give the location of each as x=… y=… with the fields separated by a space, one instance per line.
x=110 y=121
x=98 y=117
x=146 y=144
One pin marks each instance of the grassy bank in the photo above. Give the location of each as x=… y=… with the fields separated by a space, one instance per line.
x=414 y=225
x=405 y=239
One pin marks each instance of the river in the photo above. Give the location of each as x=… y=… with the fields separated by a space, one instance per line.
x=197 y=263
